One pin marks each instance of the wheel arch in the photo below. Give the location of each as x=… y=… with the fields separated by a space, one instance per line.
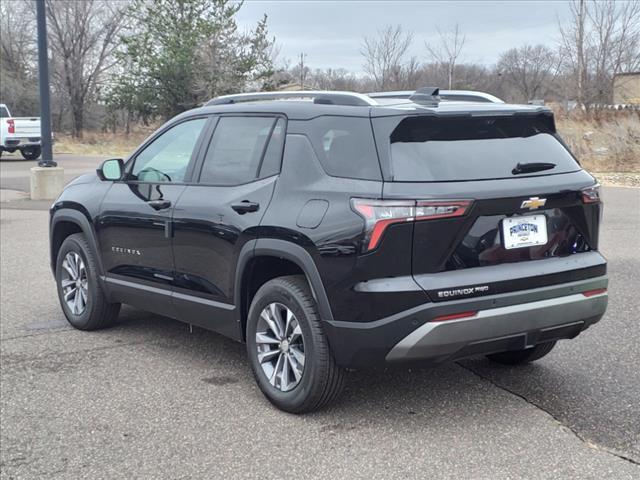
x=65 y=222
x=281 y=258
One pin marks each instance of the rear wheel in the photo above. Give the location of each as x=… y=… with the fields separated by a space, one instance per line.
x=30 y=153
x=288 y=351
x=519 y=357
x=81 y=297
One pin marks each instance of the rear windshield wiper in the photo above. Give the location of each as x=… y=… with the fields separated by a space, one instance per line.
x=532 y=167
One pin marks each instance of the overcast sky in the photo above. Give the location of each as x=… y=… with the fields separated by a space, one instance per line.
x=331 y=32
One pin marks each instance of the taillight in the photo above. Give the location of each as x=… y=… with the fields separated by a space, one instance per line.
x=379 y=214
x=591 y=194
x=12 y=125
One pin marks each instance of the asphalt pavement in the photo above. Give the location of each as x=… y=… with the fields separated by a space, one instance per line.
x=150 y=399
x=14 y=170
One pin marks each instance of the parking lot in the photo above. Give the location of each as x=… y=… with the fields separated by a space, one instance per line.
x=151 y=399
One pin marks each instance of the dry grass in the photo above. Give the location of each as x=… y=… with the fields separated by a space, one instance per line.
x=606 y=142
x=98 y=143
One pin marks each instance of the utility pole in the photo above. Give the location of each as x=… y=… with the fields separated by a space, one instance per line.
x=302 y=56
x=46 y=159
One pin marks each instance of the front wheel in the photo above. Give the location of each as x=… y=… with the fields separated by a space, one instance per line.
x=81 y=297
x=288 y=351
x=30 y=153
x=519 y=357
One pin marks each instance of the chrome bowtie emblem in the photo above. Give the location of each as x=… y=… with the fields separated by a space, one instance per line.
x=533 y=203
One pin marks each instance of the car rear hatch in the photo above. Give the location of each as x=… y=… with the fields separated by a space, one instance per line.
x=498 y=197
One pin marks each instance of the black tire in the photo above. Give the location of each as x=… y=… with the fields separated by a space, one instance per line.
x=31 y=153
x=98 y=312
x=519 y=357
x=322 y=380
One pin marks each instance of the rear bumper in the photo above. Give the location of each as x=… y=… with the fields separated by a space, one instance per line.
x=509 y=321
x=499 y=329
x=19 y=142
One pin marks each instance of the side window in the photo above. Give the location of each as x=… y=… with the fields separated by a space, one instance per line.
x=273 y=154
x=345 y=147
x=167 y=157
x=235 y=151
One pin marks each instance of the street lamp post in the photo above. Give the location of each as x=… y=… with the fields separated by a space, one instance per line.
x=46 y=159
x=47 y=179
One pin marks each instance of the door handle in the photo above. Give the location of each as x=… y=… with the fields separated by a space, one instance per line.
x=159 y=204
x=245 y=206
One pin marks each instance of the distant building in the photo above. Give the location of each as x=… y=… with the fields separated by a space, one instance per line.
x=626 y=88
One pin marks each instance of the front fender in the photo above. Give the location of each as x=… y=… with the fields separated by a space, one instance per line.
x=77 y=215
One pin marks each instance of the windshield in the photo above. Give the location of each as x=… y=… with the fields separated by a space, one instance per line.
x=428 y=148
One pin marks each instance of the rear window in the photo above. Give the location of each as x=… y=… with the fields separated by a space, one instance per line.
x=345 y=147
x=423 y=149
x=4 y=113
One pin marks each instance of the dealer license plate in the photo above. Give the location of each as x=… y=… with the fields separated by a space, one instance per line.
x=520 y=232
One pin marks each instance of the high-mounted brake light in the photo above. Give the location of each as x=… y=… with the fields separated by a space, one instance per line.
x=379 y=214
x=591 y=194
x=12 y=125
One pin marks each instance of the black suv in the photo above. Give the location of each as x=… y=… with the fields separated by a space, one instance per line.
x=333 y=231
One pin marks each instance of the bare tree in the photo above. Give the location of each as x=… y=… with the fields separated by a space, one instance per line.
x=82 y=40
x=600 y=40
x=17 y=57
x=385 y=57
x=448 y=49
x=529 y=69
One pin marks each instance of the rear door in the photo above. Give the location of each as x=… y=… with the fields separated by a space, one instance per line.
x=520 y=188
x=218 y=214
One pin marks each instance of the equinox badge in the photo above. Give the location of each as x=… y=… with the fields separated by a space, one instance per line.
x=533 y=203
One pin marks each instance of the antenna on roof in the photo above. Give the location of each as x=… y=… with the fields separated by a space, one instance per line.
x=426 y=96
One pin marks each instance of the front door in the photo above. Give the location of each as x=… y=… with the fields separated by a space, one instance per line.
x=215 y=217
x=134 y=225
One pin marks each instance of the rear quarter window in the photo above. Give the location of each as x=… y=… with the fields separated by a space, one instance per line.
x=345 y=146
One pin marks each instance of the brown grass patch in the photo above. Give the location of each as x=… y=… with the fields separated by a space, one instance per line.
x=603 y=142
x=99 y=143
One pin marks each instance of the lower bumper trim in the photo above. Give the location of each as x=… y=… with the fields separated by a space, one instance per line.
x=504 y=328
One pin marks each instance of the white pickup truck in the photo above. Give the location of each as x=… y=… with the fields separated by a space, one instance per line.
x=19 y=133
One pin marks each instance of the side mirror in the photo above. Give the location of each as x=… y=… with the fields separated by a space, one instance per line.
x=111 y=169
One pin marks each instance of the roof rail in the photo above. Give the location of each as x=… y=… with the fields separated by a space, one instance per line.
x=324 y=97
x=400 y=94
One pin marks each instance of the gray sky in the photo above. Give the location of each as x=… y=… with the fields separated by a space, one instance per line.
x=331 y=32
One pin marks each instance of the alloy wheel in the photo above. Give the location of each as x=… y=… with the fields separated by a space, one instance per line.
x=74 y=283
x=280 y=346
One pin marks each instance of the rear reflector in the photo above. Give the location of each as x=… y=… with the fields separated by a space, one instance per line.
x=455 y=316
x=597 y=291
